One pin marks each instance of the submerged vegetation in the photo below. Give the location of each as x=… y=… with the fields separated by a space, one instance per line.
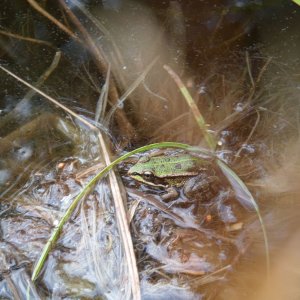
x=93 y=89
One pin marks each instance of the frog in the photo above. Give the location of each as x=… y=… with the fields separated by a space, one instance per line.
x=193 y=174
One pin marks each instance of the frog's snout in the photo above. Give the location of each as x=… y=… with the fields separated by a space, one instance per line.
x=131 y=172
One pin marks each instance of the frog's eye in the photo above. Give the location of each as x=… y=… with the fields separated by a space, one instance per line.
x=148 y=175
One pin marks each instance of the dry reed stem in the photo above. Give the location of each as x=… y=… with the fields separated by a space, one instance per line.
x=38 y=8
x=102 y=100
x=25 y=38
x=118 y=201
x=130 y=90
x=132 y=209
x=101 y=28
x=249 y=69
x=211 y=276
x=49 y=98
x=263 y=70
x=11 y=115
x=121 y=215
x=99 y=58
x=124 y=125
x=46 y=74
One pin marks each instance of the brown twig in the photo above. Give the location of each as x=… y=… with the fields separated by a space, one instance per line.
x=49 y=98
x=38 y=8
x=263 y=70
x=12 y=114
x=123 y=223
x=118 y=200
x=102 y=29
x=124 y=125
x=25 y=38
x=130 y=89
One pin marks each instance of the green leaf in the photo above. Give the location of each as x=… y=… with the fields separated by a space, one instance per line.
x=297 y=2
x=57 y=230
x=244 y=196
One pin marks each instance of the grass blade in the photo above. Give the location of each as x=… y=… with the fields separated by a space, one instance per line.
x=130 y=90
x=56 y=232
x=190 y=101
x=247 y=200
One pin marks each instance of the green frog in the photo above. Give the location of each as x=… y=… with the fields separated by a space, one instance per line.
x=191 y=173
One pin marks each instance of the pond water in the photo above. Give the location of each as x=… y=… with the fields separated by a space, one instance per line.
x=105 y=61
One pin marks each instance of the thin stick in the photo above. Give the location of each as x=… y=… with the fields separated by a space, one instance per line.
x=105 y=97
x=100 y=60
x=263 y=70
x=52 y=19
x=49 y=98
x=121 y=215
x=190 y=101
x=249 y=69
x=56 y=232
x=131 y=88
x=102 y=101
x=101 y=28
x=11 y=115
x=46 y=74
x=88 y=171
x=118 y=201
x=25 y=38
x=124 y=125
x=249 y=136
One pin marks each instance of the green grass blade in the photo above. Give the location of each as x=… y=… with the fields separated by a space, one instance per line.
x=210 y=140
x=243 y=194
x=246 y=199
x=297 y=2
x=199 y=118
x=56 y=232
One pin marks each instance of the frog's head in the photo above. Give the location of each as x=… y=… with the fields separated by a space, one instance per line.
x=140 y=174
x=143 y=173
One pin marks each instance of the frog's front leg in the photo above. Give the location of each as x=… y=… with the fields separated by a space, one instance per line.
x=171 y=194
x=203 y=187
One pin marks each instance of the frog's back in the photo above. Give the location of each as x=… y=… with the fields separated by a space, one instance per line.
x=172 y=166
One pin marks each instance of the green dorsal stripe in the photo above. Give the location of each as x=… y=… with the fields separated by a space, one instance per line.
x=171 y=166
